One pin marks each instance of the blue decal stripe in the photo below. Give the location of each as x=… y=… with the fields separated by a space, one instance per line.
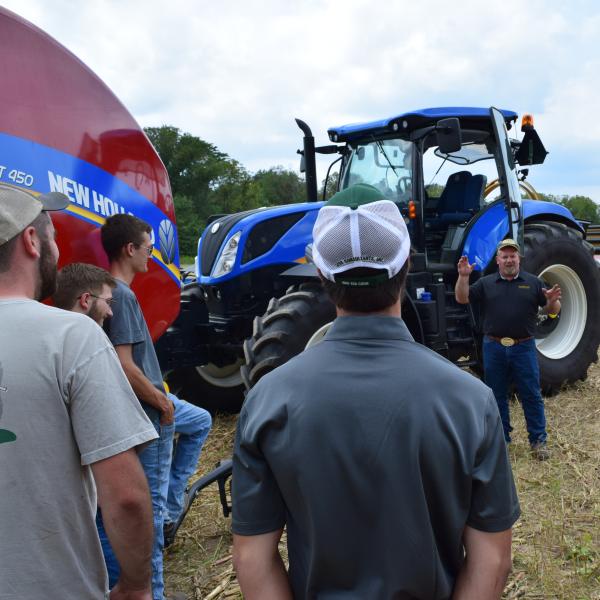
x=94 y=193
x=90 y=217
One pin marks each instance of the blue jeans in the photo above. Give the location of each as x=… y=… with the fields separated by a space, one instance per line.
x=112 y=566
x=156 y=462
x=518 y=364
x=192 y=425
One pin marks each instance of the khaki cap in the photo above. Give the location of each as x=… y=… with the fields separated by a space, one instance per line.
x=19 y=208
x=509 y=243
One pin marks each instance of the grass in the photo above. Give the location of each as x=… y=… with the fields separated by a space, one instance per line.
x=186 y=260
x=556 y=542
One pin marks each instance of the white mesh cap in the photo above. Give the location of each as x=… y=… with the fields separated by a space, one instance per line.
x=372 y=235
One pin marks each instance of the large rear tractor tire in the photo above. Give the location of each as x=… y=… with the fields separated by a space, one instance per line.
x=569 y=344
x=292 y=323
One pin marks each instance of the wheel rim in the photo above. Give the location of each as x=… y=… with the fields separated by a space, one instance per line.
x=224 y=377
x=318 y=335
x=563 y=339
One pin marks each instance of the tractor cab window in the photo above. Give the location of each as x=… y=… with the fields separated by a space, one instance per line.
x=468 y=154
x=384 y=164
x=473 y=166
x=455 y=191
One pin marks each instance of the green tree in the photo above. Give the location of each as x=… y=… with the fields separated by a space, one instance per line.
x=582 y=207
x=193 y=164
x=434 y=190
x=332 y=185
x=204 y=181
x=275 y=186
x=196 y=168
x=548 y=197
x=189 y=225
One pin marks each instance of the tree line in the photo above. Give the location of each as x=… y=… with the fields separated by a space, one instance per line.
x=206 y=181
x=582 y=207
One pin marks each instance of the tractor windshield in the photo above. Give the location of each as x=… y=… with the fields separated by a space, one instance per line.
x=385 y=164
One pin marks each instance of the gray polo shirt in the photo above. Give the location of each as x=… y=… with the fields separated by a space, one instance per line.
x=375 y=452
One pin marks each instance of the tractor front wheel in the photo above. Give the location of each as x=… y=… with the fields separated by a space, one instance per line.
x=292 y=323
x=217 y=389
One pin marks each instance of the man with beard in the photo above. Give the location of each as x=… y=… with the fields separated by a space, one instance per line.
x=71 y=414
x=86 y=289
x=509 y=300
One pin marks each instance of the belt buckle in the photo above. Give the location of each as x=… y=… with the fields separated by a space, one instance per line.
x=507 y=342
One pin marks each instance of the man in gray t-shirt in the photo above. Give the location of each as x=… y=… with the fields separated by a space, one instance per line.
x=67 y=412
x=385 y=462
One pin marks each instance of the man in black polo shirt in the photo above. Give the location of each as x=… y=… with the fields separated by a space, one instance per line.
x=510 y=299
x=386 y=463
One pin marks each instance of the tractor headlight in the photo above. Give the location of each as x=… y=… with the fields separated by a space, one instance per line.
x=227 y=257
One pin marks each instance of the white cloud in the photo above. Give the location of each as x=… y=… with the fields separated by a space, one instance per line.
x=236 y=73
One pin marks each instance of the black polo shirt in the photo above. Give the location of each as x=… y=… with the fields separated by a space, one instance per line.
x=509 y=307
x=375 y=452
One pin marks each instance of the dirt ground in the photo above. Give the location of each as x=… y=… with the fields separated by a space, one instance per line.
x=556 y=542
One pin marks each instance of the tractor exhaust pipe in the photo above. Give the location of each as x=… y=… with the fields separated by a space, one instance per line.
x=309 y=162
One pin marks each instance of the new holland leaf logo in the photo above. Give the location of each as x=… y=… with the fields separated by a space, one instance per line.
x=166 y=237
x=5 y=434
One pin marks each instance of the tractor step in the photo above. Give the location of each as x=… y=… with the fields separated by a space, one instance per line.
x=463 y=341
x=465 y=363
x=459 y=316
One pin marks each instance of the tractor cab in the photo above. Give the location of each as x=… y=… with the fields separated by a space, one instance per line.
x=440 y=166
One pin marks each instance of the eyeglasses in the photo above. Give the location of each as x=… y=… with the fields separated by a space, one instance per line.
x=108 y=301
x=148 y=249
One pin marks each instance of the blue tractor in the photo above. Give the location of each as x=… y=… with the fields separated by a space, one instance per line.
x=458 y=177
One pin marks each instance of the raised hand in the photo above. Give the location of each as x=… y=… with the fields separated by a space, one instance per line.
x=553 y=294
x=464 y=268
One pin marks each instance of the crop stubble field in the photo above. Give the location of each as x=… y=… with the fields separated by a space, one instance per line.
x=556 y=542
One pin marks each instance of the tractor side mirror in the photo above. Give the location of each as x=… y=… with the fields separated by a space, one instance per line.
x=531 y=149
x=449 y=136
x=302 y=161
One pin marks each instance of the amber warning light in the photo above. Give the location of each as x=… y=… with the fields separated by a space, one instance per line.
x=526 y=122
x=412 y=210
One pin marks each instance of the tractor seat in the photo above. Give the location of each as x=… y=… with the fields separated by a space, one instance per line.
x=459 y=201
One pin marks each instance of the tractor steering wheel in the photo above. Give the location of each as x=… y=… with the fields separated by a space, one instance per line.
x=404 y=189
x=404 y=185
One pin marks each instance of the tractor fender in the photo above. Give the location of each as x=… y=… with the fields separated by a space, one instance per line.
x=491 y=225
x=303 y=270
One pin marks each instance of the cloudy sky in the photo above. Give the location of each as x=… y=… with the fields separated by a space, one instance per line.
x=237 y=72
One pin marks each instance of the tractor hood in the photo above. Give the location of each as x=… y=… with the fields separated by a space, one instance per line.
x=254 y=239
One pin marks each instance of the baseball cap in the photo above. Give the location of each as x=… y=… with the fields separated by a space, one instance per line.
x=509 y=243
x=357 y=227
x=19 y=208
